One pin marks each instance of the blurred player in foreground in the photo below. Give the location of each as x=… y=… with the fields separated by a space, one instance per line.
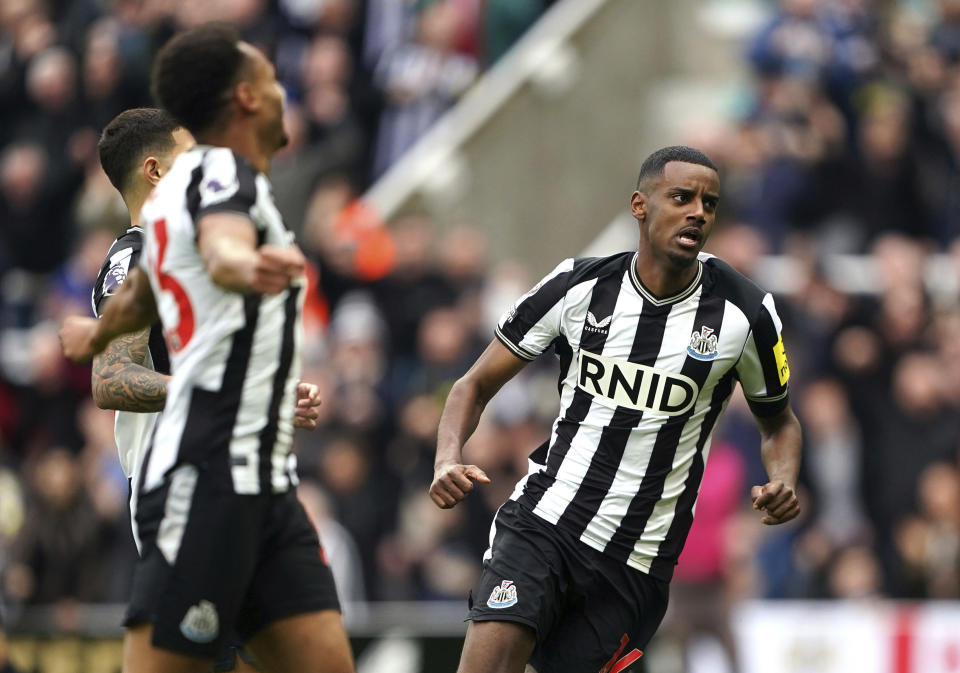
x=225 y=544
x=651 y=344
x=136 y=149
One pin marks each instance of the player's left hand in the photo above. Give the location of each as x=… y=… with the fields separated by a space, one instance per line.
x=778 y=501
x=76 y=338
x=308 y=399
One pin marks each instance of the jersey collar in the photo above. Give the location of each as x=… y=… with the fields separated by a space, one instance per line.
x=661 y=301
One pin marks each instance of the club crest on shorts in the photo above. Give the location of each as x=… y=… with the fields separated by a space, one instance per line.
x=503 y=596
x=201 y=624
x=703 y=344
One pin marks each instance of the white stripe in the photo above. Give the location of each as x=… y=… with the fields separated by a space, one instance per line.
x=176 y=511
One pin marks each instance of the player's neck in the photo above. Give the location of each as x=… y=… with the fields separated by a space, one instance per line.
x=241 y=141
x=663 y=278
x=134 y=206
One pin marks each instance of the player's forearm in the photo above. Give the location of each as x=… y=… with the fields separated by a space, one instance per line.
x=461 y=414
x=119 y=381
x=780 y=447
x=231 y=268
x=134 y=388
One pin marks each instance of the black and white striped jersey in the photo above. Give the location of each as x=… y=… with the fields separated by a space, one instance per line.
x=132 y=431
x=643 y=381
x=235 y=357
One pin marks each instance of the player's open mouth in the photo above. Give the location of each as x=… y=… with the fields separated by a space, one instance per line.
x=690 y=237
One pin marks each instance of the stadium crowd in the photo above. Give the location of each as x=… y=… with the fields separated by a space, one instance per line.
x=849 y=143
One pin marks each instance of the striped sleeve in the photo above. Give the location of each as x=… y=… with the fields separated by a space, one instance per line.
x=121 y=258
x=228 y=184
x=763 y=370
x=533 y=322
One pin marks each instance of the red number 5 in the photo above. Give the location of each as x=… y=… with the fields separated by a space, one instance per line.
x=179 y=336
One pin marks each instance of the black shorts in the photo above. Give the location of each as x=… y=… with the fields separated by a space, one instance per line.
x=588 y=610
x=217 y=563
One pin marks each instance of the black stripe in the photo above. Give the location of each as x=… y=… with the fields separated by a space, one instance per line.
x=268 y=436
x=765 y=337
x=158 y=350
x=212 y=414
x=603 y=299
x=663 y=565
x=193 y=191
x=709 y=314
x=605 y=462
x=565 y=353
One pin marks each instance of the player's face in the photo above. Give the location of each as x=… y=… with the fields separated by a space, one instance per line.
x=270 y=91
x=677 y=212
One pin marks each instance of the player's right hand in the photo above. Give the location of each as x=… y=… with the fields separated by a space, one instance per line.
x=451 y=483
x=274 y=267
x=76 y=338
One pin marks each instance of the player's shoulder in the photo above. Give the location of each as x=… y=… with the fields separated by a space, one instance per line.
x=584 y=269
x=223 y=160
x=121 y=257
x=131 y=238
x=724 y=281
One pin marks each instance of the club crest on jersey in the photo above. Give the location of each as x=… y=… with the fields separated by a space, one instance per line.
x=503 y=596
x=594 y=325
x=201 y=624
x=703 y=344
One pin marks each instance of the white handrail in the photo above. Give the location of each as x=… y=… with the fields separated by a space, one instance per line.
x=522 y=62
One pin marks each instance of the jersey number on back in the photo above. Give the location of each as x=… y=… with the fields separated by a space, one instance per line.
x=178 y=336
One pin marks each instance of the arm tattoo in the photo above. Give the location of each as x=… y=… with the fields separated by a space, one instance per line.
x=120 y=381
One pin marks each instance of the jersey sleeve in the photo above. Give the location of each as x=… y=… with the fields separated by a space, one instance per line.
x=762 y=369
x=533 y=322
x=121 y=258
x=228 y=184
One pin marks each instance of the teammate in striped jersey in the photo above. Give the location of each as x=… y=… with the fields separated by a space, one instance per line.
x=651 y=345
x=136 y=149
x=225 y=543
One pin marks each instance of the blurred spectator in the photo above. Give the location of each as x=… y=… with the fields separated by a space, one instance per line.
x=57 y=556
x=928 y=542
x=421 y=79
x=339 y=548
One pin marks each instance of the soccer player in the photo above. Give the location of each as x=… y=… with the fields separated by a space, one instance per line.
x=136 y=149
x=651 y=344
x=225 y=543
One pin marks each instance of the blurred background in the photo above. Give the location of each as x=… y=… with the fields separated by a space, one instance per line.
x=446 y=154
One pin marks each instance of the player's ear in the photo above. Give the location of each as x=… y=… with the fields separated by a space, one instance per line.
x=152 y=170
x=638 y=205
x=246 y=97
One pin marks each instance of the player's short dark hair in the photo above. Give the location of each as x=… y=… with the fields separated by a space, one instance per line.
x=129 y=138
x=653 y=165
x=194 y=72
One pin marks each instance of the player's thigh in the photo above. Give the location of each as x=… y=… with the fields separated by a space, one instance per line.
x=200 y=549
x=497 y=647
x=314 y=641
x=140 y=656
x=291 y=576
x=618 y=610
